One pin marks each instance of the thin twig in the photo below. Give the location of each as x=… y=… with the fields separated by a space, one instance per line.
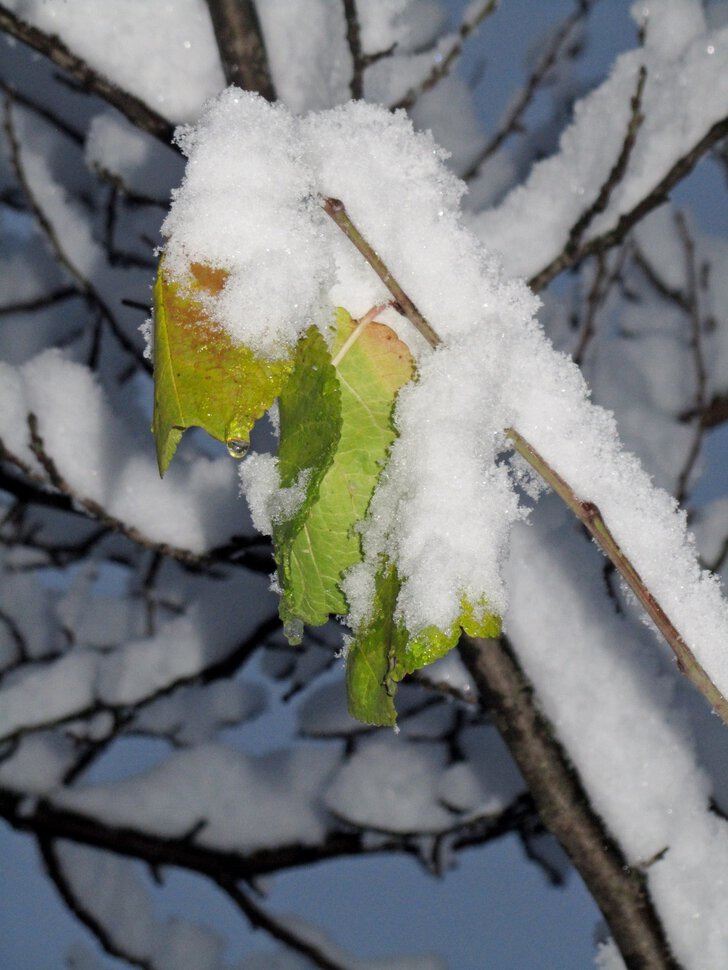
x=445 y=62
x=353 y=39
x=586 y=511
x=104 y=935
x=512 y=121
x=600 y=203
x=32 y=304
x=659 y=194
x=259 y=918
x=590 y=516
x=84 y=285
x=336 y=209
x=96 y=511
x=692 y=295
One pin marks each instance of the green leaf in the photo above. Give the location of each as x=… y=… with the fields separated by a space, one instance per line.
x=383 y=652
x=371 y=655
x=310 y=431
x=202 y=378
x=324 y=543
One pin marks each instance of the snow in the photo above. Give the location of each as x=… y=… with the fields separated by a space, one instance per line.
x=445 y=503
x=611 y=701
x=447 y=510
x=684 y=95
x=111 y=891
x=307 y=50
x=245 y=802
x=165 y=54
x=391 y=788
x=98 y=455
x=118 y=149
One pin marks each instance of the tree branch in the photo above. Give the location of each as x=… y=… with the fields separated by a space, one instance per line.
x=512 y=121
x=45 y=820
x=241 y=46
x=260 y=919
x=586 y=511
x=612 y=237
x=600 y=203
x=619 y=890
x=52 y=47
x=113 y=947
x=444 y=63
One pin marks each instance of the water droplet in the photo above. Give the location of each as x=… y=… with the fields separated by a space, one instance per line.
x=293 y=631
x=237 y=447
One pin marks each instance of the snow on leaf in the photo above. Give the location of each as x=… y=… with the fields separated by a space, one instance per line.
x=202 y=378
x=383 y=652
x=370 y=657
x=320 y=542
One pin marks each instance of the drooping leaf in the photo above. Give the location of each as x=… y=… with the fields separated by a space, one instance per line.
x=201 y=377
x=310 y=431
x=324 y=543
x=371 y=655
x=383 y=652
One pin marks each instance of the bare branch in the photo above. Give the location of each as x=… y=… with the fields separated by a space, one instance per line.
x=84 y=285
x=48 y=821
x=241 y=46
x=96 y=511
x=90 y=80
x=259 y=918
x=353 y=39
x=109 y=944
x=692 y=299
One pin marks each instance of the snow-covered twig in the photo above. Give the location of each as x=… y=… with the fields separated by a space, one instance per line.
x=56 y=51
x=512 y=122
x=84 y=285
x=585 y=510
x=612 y=237
x=447 y=61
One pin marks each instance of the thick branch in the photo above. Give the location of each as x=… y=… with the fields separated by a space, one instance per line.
x=619 y=891
x=48 y=821
x=56 y=51
x=241 y=45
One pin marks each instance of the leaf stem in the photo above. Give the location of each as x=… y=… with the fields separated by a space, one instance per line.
x=587 y=512
x=358 y=330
